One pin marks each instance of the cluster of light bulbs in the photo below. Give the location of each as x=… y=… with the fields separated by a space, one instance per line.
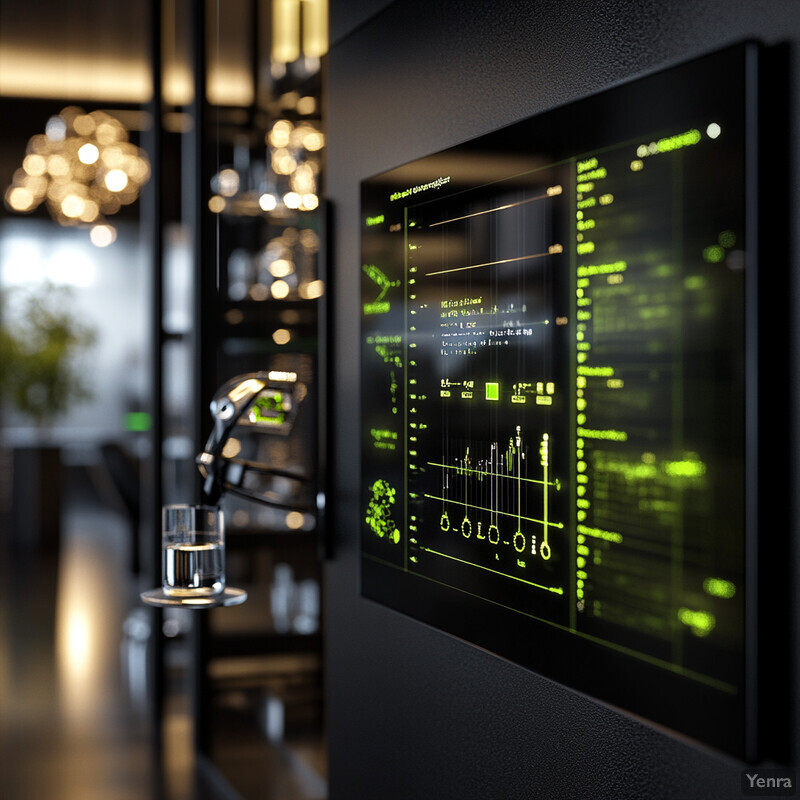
x=290 y=179
x=84 y=168
x=283 y=270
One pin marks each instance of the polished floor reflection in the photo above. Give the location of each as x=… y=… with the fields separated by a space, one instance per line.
x=75 y=698
x=72 y=724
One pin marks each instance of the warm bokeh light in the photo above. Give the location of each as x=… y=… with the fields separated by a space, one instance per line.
x=314 y=140
x=228 y=182
x=103 y=235
x=91 y=211
x=313 y=290
x=280 y=134
x=281 y=267
x=88 y=153
x=116 y=180
x=279 y=289
x=72 y=206
x=83 y=167
x=267 y=202
x=306 y=105
x=258 y=292
x=295 y=520
x=283 y=162
x=315 y=27
x=34 y=164
x=58 y=166
x=285 y=30
x=281 y=336
x=232 y=448
x=216 y=204
x=292 y=200
x=20 y=199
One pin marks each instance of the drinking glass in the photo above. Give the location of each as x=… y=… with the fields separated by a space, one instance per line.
x=193 y=547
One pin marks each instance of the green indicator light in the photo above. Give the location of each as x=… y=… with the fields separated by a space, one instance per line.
x=585 y=247
x=701 y=623
x=727 y=239
x=695 y=283
x=599 y=533
x=688 y=468
x=608 y=435
x=671 y=143
x=138 y=421
x=384 y=339
x=383 y=439
x=602 y=372
x=602 y=269
x=268 y=409
x=589 y=163
x=713 y=254
x=595 y=174
x=718 y=587
x=492 y=391
x=374 y=220
x=648 y=470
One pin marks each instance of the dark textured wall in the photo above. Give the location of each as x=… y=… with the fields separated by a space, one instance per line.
x=414 y=713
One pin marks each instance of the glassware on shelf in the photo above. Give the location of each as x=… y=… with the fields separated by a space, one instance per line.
x=193 y=565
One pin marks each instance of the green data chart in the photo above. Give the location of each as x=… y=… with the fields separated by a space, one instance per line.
x=555 y=396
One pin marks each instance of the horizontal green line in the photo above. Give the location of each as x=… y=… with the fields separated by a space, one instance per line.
x=555 y=590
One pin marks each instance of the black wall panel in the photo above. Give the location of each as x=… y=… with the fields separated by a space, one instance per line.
x=414 y=713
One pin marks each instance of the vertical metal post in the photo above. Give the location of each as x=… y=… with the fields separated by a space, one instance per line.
x=153 y=224
x=196 y=174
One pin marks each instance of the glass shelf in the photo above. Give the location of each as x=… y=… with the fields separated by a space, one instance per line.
x=230 y=596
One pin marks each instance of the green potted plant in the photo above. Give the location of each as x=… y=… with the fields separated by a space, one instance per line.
x=40 y=380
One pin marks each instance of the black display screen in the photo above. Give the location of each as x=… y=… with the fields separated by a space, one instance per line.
x=554 y=365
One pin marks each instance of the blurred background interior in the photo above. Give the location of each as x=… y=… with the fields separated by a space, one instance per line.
x=161 y=167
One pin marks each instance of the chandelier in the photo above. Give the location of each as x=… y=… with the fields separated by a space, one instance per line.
x=84 y=168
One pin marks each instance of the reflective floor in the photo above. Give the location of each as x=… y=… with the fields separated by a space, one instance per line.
x=73 y=712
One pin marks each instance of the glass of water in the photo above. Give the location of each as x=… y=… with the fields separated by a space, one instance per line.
x=193 y=547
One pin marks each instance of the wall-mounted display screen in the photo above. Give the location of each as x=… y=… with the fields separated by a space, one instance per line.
x=554 y=395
